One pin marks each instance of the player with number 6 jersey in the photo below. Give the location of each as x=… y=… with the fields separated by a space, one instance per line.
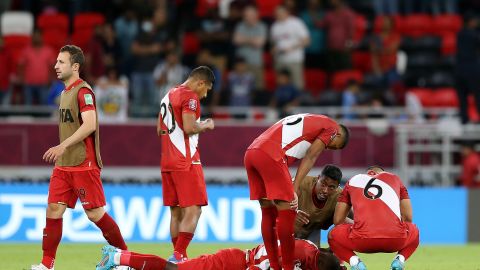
x=296 y=137
x=183 y=184
x=382 y=219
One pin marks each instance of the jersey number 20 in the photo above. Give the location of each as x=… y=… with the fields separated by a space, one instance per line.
x=164 y=112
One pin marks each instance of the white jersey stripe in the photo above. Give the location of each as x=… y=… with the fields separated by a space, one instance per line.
x=292 y=132
x=389 y=197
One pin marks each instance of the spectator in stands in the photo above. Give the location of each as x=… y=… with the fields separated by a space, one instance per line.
x=384 y=48
x=94 y=56
x=249 y=38
x=350 y=99
x=163 y=30
x=204 y=58
x=240 y=84
x=315 y=51
x=146 y=49
x=111 y=93
x=169 y=73
x=470 y=176
x=385 y=7
x=289 y=37
x=36 y=70
x=126 y=27
x=5 y=74
x=287 y=95
x=340 y=26
x=111 y=46
x=468 y=65
x=214 y=36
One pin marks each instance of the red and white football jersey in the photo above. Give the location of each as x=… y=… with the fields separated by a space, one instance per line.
x=179 y=151
x=305 y=256
x=376 y=205
x=292 y=136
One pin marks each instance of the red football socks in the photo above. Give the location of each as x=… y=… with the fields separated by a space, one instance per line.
x=269 y=234
x=183 y=240
x=52 y=234
x=174 y=241
x=286 y=222
x=142 y=261
x=111 y=232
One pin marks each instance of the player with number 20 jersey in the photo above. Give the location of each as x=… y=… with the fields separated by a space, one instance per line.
x=300 y=136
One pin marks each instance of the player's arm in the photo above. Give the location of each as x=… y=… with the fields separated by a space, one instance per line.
x=191 y=126
x=159 y=130
x=308 y=161
x=406 y=210
x=88 y=126
x=341 y=211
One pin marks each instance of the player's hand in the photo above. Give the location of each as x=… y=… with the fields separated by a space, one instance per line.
x=54 y=153
x=209 y=124
x=302 y=217
x=294 y=203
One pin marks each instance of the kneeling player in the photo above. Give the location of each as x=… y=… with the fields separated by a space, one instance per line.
x=307 y=256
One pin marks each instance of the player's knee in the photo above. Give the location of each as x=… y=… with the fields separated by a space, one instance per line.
x=193 y=211
x=55 y=210
x=95 y=214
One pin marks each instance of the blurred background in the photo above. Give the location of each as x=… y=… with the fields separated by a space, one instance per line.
x=401 y=74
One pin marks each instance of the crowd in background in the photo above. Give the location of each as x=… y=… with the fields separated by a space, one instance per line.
x=145 y=47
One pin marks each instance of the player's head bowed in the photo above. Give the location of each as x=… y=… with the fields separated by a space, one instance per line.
x=201 y=80
x=341 y=139
x=327 y=261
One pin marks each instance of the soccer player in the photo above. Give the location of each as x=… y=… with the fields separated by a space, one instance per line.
x=183 y=184
x=307 y=256
x=382 y=222
x=317 y=198
x=77 y=160
x=301 y=136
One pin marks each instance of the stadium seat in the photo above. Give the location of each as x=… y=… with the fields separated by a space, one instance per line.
x=315 y=81
x=55 y=39
x=446 y=24
x=445 y=97
x=424 y=95
x=204 y=5
x=397 y=23
x=190 y=43
x=266 y=9
x=362 y=60
x=416 y=25
x=361 y=25
x=58 y=21
x=472 y=110
x=87 y=20
x=449 y=44
x=421 y=61
x=14 y=45
x=16 y=23
x=82 y=37
x=423 y=43
x=341 y=78
x=270 y=79
x=440 y=79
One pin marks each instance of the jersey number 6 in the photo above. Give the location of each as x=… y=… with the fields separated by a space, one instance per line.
x=371 y=185
x=164 y=112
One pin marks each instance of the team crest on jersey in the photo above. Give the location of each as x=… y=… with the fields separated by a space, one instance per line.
x=192 y=104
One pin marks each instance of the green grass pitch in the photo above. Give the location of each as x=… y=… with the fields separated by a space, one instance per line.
x=85 y=256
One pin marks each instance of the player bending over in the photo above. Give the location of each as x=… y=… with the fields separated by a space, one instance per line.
x=382 y=222
x=307 y=257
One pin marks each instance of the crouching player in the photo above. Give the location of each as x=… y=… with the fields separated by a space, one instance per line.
x=307 y=257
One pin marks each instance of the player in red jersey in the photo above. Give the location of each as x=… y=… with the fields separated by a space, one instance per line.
x=301 y=136
x=382 y=219
x=307 y=257
x=183 y=184
x=77 y=160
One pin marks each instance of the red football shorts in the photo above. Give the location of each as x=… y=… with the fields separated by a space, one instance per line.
x=224 y=259
x=68 y=186
x=341 y=234
x=184 y=188
x=267 y=178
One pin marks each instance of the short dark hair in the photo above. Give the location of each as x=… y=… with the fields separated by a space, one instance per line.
x=203 y=73
x=76 y=54
x=373 y=167
x=327 y=261
x=333 y=172
x=346 y=133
